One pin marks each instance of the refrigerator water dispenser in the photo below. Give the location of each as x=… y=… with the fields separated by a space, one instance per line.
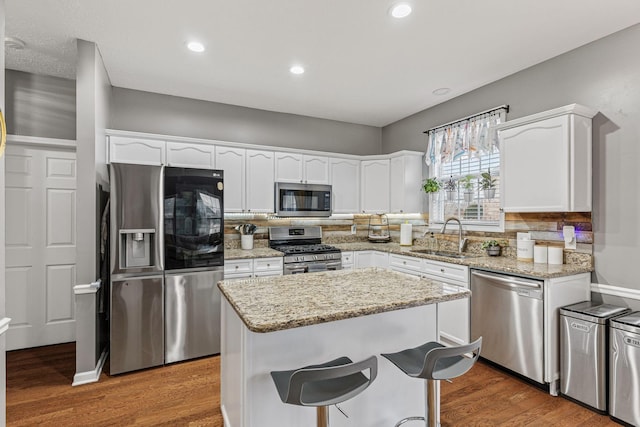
x=137 y=248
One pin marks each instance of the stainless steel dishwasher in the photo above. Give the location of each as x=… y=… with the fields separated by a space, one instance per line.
x=507 y=312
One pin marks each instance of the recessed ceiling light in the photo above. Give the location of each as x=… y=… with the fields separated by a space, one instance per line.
x=400 y=10
x=14 y=43
x=297 y=69
x=195 y=47
x=441 y=91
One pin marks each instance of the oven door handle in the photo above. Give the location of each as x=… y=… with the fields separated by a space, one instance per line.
x=509 y=281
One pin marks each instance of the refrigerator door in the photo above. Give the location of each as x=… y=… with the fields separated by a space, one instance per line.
x=137 y=339
x=192 y=314
x=193 y=219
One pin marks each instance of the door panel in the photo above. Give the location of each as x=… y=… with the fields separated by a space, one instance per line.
x=40 y=245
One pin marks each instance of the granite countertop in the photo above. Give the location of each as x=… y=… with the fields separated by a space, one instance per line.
x=283 y=302
x=230 y=254
x=499 y=264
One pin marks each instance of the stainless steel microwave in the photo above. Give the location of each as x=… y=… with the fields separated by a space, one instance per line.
x=303 y=199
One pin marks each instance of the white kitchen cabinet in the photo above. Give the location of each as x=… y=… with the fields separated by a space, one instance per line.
x=374 y=183
x=253 y=267
x=260 y=181
x=364 y=259
x=140 y=151
x=347 y=260
x=186 y=155
x=405 y=264
x=231 y=161
x=301 y=168
x=345 y=185
x=545 y=161
x=405 y=181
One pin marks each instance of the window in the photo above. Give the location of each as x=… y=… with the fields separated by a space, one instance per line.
x=465 y=159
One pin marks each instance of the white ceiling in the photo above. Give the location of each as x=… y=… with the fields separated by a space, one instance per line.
x=362 y=66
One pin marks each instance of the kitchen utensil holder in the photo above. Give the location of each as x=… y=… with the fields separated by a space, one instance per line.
x=246 y=241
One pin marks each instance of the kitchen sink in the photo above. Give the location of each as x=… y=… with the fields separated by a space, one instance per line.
x=456 y=255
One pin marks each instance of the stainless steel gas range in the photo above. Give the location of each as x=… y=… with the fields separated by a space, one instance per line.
x=303 y=250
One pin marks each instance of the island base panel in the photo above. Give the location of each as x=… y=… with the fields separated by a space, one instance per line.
x=249 y=398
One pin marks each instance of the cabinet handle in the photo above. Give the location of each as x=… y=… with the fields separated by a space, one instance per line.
x=237 y=267
x=442 y=270
x=404 y=262
x=268 y=265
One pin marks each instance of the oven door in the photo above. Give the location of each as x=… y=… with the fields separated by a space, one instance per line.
x=312 y=267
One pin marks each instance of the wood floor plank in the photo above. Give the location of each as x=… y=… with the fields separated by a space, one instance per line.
x=39 y=392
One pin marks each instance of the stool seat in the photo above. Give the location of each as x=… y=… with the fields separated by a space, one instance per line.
x=325 y=384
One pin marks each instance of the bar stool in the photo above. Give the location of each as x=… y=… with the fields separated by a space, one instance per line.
x=434 y=362
x=326 y=384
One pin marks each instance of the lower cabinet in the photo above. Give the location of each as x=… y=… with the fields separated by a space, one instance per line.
x=252 y=267
x=365 y=259
x=453 y=316
x=347 y=260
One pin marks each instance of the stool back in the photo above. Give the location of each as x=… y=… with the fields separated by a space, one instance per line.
x=328 y=385
x=444 y=363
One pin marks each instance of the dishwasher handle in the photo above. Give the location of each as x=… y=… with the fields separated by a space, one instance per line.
x=509 y=281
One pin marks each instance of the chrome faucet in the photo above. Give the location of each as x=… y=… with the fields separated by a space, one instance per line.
x=462 y=242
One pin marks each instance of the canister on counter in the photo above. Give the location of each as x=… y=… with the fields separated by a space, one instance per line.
x=555 y=255
x=524 y=250
x=540 y=254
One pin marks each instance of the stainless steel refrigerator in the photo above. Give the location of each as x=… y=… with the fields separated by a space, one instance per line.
x=136 y=309
x=167 y=255
x=194 y=262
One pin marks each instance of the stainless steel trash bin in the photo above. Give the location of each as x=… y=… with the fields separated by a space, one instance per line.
x=624 y=368
x=584 y=350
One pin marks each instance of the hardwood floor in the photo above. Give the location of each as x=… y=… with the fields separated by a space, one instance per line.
x=39 y=392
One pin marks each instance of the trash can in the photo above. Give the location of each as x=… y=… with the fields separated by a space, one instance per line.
x=584 y=350
x=624 y=366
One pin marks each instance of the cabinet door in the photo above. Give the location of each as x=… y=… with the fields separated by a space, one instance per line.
x=405 y=264
x=534 y=166
x=289 y=167
x=138 y=151
x=405 y=177
x=375 y=185
x=315 y=169
x=260 y=183
x=345 y=185
x=380 y=259
x=199 y=156
x=453 y=321
x=347 y=260
x=232 y=162
x=363 y=259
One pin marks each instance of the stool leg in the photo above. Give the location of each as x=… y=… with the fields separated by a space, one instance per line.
x=323 y=416
x=432 y=391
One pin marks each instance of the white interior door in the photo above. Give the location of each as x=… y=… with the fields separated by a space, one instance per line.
x=40 y=245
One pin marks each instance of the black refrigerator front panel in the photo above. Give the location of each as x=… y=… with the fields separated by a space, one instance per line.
x=193 y=218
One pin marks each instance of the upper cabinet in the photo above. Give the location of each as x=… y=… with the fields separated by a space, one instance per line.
x=345 y=185
x=405 y=178
x=301 y=168
x=374 y=183
x=260 y=191
x=231 y=161
x=184 y=155
x=545 y=161
x=139 y=151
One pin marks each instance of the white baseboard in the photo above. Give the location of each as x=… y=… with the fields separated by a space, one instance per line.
x=617 y=291
x=4 y=324
x=91 y=376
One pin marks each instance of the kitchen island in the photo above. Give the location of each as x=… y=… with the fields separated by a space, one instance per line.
x=286 y=322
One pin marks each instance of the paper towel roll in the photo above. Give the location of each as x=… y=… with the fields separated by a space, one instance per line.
x=406 y=235
x=540 y=254
x=555 y=255
x=524 y=250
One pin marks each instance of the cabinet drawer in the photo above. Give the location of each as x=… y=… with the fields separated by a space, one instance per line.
x=238 y=266
x=267 y=273
x=459 y=273
x=399 y=262
x=267 y=264
x=347 y=258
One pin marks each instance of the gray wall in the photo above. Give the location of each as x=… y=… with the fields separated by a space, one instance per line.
x=40 y=105
x=603 y=75
x=169 y=115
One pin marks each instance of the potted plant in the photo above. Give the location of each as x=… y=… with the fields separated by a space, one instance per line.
x=467 y=184
x=431 y=185
x=450 y=187
x=488 y=184
x=492 y=247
